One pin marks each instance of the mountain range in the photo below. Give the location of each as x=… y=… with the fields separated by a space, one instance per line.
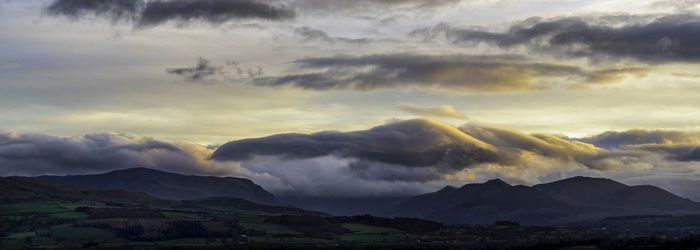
x=568 y=200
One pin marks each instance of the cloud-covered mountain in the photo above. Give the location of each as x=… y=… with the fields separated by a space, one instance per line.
x=172 y=186
x=397 y=159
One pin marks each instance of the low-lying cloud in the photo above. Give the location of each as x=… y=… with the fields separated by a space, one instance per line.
x=459 y=73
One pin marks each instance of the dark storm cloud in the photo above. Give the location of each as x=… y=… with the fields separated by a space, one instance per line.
x=114 y=9
x=211 y=11
x=462 y=73
x=311 y=34
x=152 y=13
x=665 y=39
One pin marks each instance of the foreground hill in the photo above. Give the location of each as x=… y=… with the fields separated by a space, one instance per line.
x=573 y=199
x=173 y=186
x=32 y=190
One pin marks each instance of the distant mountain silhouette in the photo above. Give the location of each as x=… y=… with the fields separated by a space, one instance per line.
x=563 y=201
x=173 y=186
x=683 y=187
x=606 y=193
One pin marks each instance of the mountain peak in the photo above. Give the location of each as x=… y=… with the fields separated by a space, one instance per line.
x=497 y=181
x=590 y=180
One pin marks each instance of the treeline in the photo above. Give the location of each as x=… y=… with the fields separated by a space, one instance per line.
x=154 y=230
x=107 y=213
x=411 y=225
x=330 y=227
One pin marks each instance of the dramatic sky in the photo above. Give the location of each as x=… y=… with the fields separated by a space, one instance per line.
x=345 y=98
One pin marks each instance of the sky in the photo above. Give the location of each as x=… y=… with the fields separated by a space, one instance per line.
x=353 y=98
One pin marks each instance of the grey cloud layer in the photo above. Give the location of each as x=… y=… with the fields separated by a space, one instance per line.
x=151 y=13
x=462 y=73
x=665 y=39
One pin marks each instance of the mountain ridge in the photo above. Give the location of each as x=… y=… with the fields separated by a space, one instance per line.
x=557 y=202
x=173 y=186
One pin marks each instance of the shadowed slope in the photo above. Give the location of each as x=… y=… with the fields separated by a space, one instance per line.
x=173 y=186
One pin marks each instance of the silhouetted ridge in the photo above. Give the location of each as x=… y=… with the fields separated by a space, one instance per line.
x=497 y=182
x=557 y=202
x=600 y=192
x=448 y=188
x=173 y=186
